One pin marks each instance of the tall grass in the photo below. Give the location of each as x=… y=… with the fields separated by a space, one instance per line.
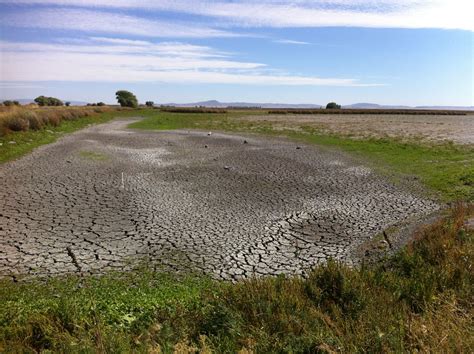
x=21 y=119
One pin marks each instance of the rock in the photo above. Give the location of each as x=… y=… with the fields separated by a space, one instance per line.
x=298 y=147
x=245 y=142
x=209 y=134
x=226 y=167
x=205 y=146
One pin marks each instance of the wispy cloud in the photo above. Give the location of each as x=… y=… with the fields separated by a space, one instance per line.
x=171 y=62
x=290 y=41
x=447 y=14
x=107 y=22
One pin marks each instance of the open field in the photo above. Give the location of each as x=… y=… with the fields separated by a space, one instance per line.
x=256 y=197
x=231 y=206
x=429 y=128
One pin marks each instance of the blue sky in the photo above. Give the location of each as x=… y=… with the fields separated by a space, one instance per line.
x=407 y=52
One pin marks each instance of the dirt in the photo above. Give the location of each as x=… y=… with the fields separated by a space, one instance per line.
x=431 y=128
x=232 y=206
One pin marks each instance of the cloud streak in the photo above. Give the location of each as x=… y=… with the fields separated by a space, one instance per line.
x=108 y=22
x=445 y=14
x=170 y=62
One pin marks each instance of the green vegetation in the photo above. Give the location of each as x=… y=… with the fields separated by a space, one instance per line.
x=16 y=144
x=9 y=103
x=446 y=168
x=93 y=155
x=48 y=101
x=126 y=99
x=333 y=105
x=420 y=300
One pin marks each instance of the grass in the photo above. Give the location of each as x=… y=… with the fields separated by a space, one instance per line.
x=445 y=168
x=56 y=123
x=419 y=300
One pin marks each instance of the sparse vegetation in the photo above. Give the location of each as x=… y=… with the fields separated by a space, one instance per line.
x=23 y=129
x=420 y=300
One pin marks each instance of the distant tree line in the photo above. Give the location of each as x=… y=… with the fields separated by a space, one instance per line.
x=100 y=104
x=10 y=103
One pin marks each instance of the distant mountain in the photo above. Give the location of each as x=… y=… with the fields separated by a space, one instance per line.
x=378 y=106
x=217 y=104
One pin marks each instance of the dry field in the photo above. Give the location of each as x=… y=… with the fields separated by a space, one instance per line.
x=431 y=128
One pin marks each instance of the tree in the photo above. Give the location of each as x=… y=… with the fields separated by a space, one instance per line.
x=150 y=103
x=8 y=103
x=48 y=101
x=100 y=104
x=333 y=105
x=126 y=99
x=68 y=104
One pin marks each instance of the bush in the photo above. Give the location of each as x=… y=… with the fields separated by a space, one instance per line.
x=17 y=124
x=9 y=103
x=333 y=105
x=48 y=101
x=35 y=123
x=126 y=99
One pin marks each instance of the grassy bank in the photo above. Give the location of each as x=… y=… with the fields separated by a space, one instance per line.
x=445 y=168
x=420 y=300
x=23 y=129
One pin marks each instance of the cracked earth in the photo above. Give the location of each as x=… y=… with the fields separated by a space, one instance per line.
x=108 y=198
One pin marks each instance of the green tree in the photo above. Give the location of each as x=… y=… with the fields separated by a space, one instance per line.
x=68 y=104
x=333 y=105
x=8 y=103
x=48 y=101
x=150 y=103
x=126 y=99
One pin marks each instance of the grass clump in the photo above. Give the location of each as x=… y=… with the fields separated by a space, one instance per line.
x=419 y=300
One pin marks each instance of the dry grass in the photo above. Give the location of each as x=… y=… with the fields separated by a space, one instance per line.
x=21 y=119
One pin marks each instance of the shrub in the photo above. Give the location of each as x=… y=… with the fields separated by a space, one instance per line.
x=35 y=123
x=48 y=101
x=17 y=124
x=333 y=105
x=9 y=103
x=126 y=99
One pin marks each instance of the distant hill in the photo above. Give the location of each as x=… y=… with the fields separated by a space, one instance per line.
x=217 y=104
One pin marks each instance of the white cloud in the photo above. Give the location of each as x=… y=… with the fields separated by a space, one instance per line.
x=162 y=62
x=446 y=14
x=107 y=22
x=290 y=41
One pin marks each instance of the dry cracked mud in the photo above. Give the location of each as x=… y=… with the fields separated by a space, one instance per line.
x=107 y=198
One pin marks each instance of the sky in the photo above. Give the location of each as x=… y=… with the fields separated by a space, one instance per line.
x=398 y=52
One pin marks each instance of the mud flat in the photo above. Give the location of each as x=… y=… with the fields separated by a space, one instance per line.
x=107 y=198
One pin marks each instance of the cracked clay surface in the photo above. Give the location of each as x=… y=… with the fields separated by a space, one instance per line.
x=108 y=197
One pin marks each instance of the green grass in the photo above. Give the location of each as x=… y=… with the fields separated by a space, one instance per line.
x=445 y=168
x=24 y=142
x=93 y=155
x=419 y=300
